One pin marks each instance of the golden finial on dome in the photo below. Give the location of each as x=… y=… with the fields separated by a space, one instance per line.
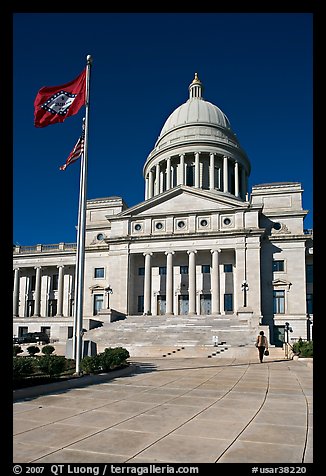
x=196 y=80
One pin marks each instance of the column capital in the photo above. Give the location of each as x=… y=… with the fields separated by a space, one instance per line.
x=16 y=269
x=148 y=253
x=169 y=252
x=212 y=153
x=60 y=265
x=37 y=267
x=218 y=250
x=182 y=155
x=191 y=251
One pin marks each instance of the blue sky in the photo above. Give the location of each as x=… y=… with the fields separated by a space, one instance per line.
x=256 y=67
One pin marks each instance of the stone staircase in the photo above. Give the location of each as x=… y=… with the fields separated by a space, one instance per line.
x=184 y=336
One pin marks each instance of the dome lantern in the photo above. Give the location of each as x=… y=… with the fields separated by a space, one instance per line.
x=195 y=88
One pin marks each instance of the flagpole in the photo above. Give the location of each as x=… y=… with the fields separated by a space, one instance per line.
x=80 y=256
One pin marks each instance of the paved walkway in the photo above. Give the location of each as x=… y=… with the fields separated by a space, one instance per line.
x=175 y=410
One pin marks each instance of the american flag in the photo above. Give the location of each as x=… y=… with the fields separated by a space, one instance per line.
x=75 y=153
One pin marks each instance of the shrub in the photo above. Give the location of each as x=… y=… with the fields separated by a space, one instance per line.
x=32 y=350
x=48 y=349
x=22 y=367
x=52 y=364
x=303 y=348
x=113 y=357
x=91 y=364
x=17 y=350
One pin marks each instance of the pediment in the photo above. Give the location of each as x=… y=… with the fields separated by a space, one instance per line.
x=282 y=283
x=184 y=199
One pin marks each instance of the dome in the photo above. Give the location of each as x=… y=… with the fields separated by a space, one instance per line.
x=196 y=111
x=196 y=119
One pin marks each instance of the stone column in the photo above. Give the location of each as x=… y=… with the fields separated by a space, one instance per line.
x=236 y=178
x=239 y=276
x=225 y=174
x=37 y=294
x=157 y=179
x=211 y=171
x=161 y=181
x=243 y=184
x=16 y=294
x=168 y=173
x=148 y=283
x=182 y=169
x=151 y=184
x=197 y=170
x=215 y=283
x=60 y=292
x=146 y=187
x=169 y=282
x=192 y=281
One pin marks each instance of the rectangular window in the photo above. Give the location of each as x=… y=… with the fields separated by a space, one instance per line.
x=310 y=304
x=162 y=270
x=278 y=265
x=279 y=302
x=141 y=271
x=228 y=302
x=98 y=272
x=30 y=307
x=71 y=307
x=70 y=332
x=140 y=304
x=98 y=303
x=228 y=268
x=33 y=282
x=46 y=330
x=183 y=269
x=52 y=307
x=54 y=282
x=205 y=268
x=309 y=273
x=22 y=330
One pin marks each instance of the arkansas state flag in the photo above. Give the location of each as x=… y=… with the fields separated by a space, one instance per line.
x=55 y=103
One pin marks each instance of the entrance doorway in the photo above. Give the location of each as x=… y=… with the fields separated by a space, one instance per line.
x=161 y=304
x=278 y=336
x=205 y=303
x=183 y=301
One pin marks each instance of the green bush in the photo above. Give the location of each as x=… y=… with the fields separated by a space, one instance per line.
x=48 y=350
x=105 y=361
x=22 y=367
x=32 y=350
x=113 y=357
x=90 y=364
x=303 y=348
x=17 y=350
x=52 y=364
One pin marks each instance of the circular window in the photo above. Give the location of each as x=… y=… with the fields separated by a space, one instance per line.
x=226 y=221
x=277 y=226
x=137 y=227
x=203 y=222
x=159 y=226
x=181 y=224
x=100 y=236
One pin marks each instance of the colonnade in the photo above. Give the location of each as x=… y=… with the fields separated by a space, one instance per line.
x=172 y=171
x=37 y=291
x=192 y=285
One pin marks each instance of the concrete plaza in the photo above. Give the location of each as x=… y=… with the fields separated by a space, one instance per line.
x=175 y=410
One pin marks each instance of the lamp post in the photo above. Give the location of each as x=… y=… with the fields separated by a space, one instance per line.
x=108 y=291
x=245 y=289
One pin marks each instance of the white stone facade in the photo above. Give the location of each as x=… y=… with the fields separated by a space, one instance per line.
x=198 y=244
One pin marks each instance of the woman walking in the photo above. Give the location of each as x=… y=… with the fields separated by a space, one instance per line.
x=261 y=344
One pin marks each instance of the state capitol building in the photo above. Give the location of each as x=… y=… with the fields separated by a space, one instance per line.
x=200 y=244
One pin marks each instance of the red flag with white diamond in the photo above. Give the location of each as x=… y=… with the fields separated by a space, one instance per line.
x=54 y=104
